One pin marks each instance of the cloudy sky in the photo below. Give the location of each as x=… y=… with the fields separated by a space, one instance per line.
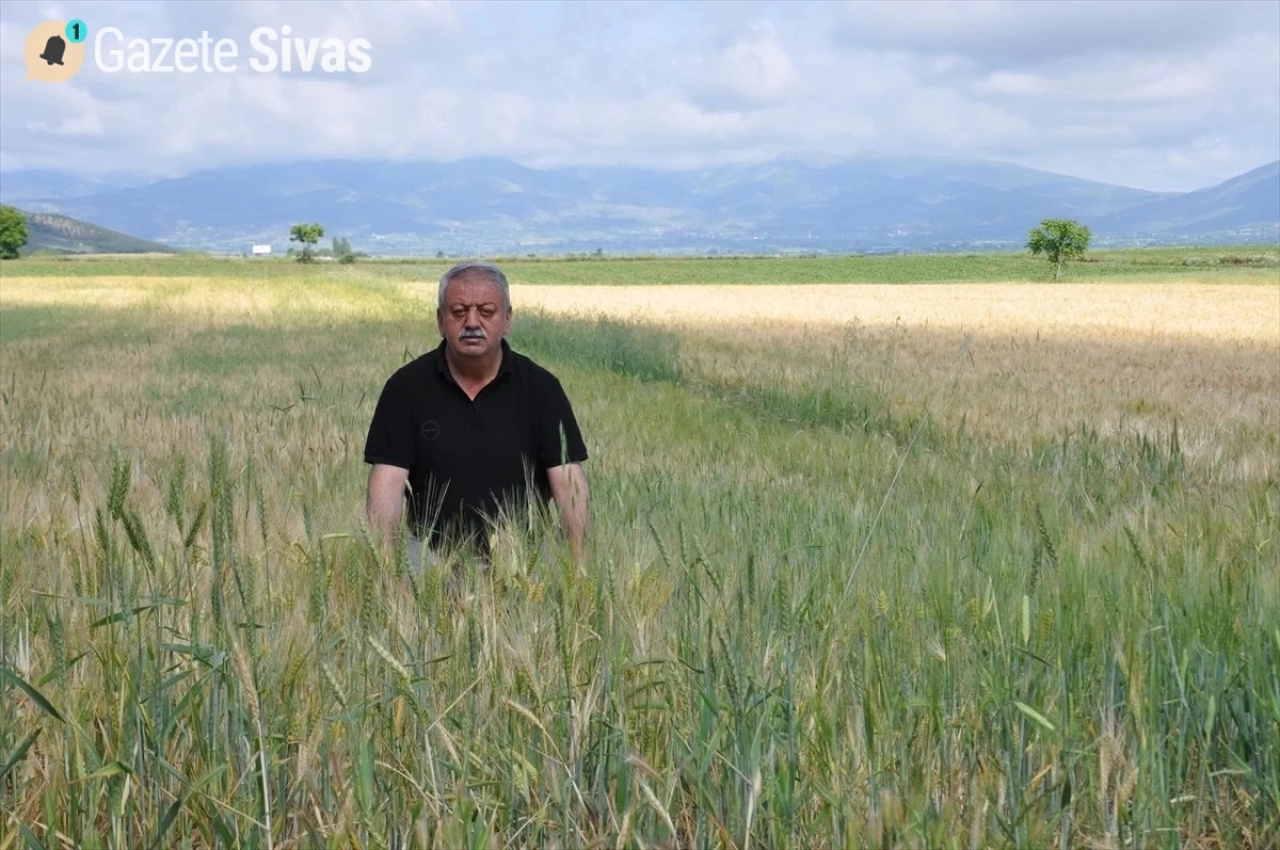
x=1159 y=95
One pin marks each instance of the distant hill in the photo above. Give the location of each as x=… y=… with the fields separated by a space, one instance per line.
x=53 y=232
x=1242 y=206
x=486 y=205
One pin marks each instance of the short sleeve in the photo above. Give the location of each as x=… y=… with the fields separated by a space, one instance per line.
x=391 y=433
x=560 y=440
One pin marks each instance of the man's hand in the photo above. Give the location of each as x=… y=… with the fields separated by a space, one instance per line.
x=385 y=504
x=569 y=490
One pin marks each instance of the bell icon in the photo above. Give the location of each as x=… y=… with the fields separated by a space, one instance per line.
x=53 y=50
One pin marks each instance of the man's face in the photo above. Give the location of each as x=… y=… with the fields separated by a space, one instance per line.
x=474 y=318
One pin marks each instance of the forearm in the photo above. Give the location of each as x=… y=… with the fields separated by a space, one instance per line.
x=572 y=498
x=386 y=519
x=384 y=505
x=576 y=519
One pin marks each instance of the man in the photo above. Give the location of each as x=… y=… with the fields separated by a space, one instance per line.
x=472 y=427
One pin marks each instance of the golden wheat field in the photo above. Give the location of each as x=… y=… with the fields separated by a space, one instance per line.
x=1181 y=310
x=946 y=565
x=1010 y=359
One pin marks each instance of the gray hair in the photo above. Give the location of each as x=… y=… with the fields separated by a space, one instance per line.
x=489 y=270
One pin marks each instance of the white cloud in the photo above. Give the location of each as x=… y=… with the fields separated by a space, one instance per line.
x=1172 y=95
x=998 y=33
x=752 y=72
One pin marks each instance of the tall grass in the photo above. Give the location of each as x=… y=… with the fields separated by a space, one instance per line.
x=1046 y=642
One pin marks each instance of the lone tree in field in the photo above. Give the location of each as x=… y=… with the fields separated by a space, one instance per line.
x=13 y=232
x=308 y=235
x=1059 y=239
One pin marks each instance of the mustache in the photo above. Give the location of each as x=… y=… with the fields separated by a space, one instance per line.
x=473 y=333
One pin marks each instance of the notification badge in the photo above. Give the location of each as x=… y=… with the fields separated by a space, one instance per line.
x=54 y=50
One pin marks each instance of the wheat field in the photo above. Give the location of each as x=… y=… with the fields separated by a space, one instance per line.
x=957 y=565
x=1188 y=309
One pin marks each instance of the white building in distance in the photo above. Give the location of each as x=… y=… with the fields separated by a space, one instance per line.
x=261 y=250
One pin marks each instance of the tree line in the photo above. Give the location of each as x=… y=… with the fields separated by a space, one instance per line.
x=309 y=234
x=1058 y=240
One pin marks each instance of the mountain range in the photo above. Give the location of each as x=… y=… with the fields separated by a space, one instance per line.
x=487 y=205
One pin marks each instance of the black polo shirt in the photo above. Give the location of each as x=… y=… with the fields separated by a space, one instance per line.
x=466 y=458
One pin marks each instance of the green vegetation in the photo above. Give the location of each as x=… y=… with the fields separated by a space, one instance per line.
x=1059 y=240
x=342 y=250
x=816 y=616
x=1261 y=263
x=13 y=232
x=308 y=235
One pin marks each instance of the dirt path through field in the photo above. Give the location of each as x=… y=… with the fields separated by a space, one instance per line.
x=1209 y=311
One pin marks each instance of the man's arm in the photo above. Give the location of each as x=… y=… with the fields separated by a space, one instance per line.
x=385 y=503
x=569 y=490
